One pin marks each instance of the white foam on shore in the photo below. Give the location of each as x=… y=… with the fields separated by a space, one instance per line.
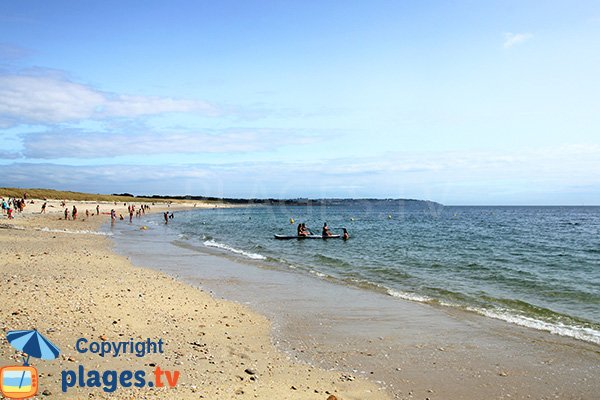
x=75 y=232
x=409 y=296
x=253 y=256
x=576 y=332
x=317 y=273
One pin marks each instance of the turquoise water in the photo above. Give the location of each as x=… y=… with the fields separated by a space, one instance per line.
x=532 y=266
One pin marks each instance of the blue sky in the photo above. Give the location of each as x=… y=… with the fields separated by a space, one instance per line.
x=462 y=102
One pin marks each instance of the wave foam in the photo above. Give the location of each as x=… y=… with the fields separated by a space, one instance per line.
x=317 y=273
x=409 y=296
x=75 y=232
x=576 y=332
x=253 y=256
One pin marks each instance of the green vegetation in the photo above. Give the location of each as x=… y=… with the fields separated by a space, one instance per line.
x=65 y=195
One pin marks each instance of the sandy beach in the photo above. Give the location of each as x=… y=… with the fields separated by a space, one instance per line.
x=61 y=278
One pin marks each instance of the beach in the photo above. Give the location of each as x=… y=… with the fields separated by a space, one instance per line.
x=61 y=278
x=285 y=335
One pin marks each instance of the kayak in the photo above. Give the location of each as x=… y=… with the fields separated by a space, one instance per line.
x=285 y=237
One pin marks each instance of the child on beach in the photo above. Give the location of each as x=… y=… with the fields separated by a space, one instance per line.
x=10 y=216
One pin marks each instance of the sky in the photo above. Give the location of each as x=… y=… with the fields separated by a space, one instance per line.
x=460 y=102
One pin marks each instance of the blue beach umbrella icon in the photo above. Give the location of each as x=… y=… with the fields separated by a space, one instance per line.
x=32 y=343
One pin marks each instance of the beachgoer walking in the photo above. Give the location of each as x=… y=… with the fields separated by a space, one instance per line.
x=74 y=213
x=43 y=208
x=66 y=214
x=98 y=209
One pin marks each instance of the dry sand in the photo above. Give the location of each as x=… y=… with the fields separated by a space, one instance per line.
x=68 y=284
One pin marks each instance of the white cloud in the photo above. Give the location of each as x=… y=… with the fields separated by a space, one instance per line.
x=513 y=39
x=78 y=144
x=53 y=99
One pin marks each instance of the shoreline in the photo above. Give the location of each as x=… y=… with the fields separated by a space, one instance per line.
x=421 y=349
x=72 y=285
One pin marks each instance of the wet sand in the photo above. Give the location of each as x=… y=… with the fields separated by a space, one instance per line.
x=62 y=279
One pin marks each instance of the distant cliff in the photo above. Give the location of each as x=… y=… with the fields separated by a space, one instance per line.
x=402 y=203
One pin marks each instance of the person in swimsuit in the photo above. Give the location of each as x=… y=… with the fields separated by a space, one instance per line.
x=326 y=232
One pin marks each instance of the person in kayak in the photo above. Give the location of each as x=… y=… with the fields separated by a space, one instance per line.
x=326 y=232
x=306 y=230
x=302 y=231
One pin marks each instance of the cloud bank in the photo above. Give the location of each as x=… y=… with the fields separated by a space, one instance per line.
x=81 y=144
x=49 y=99
x=448 y=177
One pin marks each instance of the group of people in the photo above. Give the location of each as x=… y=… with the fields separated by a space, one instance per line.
x=13 y=204
x=326 y=232
x=168 y=216
x=73 y=213
x=138 y=212
x=131 y=209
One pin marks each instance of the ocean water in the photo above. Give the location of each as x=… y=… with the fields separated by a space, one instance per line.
x=532 y=266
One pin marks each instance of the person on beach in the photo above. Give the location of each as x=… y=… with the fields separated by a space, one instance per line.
x=345 y=236
x=10 y=216
x=326 y=232
x=66 y=214
x=113 y=215
x=43 y=208
x=4 y=206
x=130 y=214
x=98 y=210
x=166 y=215
x=87 y=213
x=74 y=213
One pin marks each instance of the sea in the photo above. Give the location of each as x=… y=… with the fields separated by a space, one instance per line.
x=537 y=267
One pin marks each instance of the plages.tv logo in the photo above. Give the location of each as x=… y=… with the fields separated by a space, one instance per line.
x=21 y=381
